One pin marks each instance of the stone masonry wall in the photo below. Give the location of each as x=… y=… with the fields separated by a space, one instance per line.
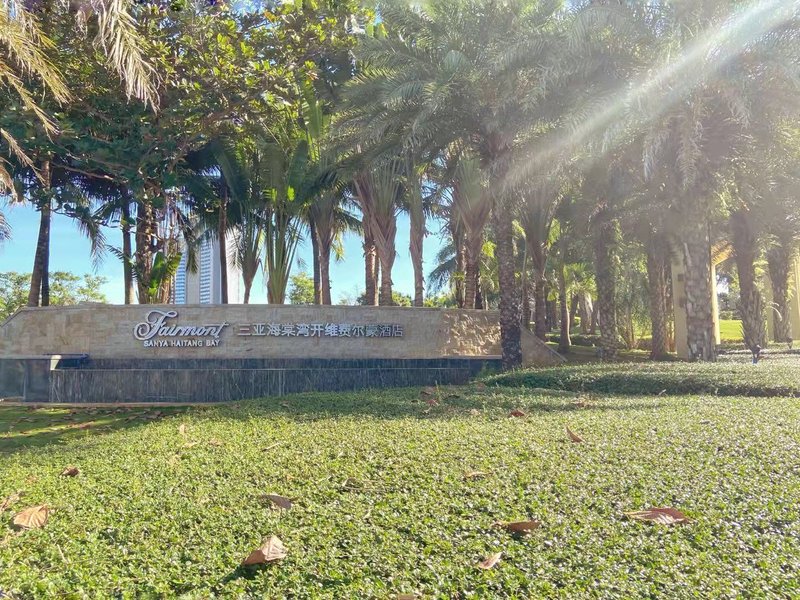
x=107 y=331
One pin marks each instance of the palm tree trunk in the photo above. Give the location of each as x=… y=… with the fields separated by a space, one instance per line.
x=472 y=258
x=40 y=276
x=386 y=284
x=538 y=253
x=779 y=262
x=479 y=303
x=248 y=284
x=573 y=308
x=751 y=304
x=510 y=308
x=36 y=295
x=325 y=272
x=585 y=307
x=605 y=245
x=657 y=256
x=315 y=257
x=223 y=248
x=145 y=234
x=699 y=312
x=564 y=341
x=527 y=298
x=416 y=241
x=460 y=273
x=127 y=251
x=370 y=270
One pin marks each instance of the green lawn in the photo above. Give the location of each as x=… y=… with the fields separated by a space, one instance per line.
x=730 y=330
x=383 y=507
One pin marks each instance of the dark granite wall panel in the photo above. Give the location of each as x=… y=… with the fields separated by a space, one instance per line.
x=189 y=380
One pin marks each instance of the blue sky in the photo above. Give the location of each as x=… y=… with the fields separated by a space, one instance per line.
x=69 y=251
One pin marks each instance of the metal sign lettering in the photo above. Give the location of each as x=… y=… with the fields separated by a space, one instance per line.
x=156 y=326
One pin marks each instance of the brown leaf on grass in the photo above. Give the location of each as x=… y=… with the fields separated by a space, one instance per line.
x=573 y=436
x=32 y=517
x=406 y=597
x=480 y=385
x=278 y=501
x=518 y=527
x=427 y=392
x=182 y=429
x=490 y=561
x=516 y=413
x=9 y=500
x=270 y=551
x=432 y=402
x=352 y=484
x=215 y=442
x=662 y=516
x=475 y=474
x=474 y=412
x=70 y=471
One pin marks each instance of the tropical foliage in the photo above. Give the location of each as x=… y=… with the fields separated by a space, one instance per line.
x=568 y=154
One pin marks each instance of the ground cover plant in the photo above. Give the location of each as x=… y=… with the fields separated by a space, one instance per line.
x=398 y=492
x=775 y=375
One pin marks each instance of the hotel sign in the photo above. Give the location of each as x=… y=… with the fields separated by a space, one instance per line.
x=159 y=330
x=156 y=331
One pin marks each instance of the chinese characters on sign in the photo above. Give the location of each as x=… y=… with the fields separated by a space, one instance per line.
x=350 y=330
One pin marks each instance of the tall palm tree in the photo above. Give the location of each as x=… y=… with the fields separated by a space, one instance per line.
x=720 y=64
x=379 y=189
x=472 y=72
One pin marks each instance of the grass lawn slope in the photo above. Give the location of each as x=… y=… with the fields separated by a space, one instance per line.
x=168 y=504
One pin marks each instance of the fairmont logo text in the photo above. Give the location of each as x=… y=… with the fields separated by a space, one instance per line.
x=157 y=331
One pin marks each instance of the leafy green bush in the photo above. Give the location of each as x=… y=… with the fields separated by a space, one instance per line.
x=771 y=377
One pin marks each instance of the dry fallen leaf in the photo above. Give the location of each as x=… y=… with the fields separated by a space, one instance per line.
x=215 y=442
x=352 y=483
x=480 y=386
x=9 y=500
x=432 y=402
x=474 y=412
x=279 y=501
x=182 y=429
x=490 y=561
x=475 y=474
x=32 y=517
x=406 y=597
x=271 y=550
x=519 y=527
x=516 y=413
x=70 y=471
x=573 y=436
x=662 y=516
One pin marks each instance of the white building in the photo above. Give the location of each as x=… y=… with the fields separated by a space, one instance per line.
x=204 y=286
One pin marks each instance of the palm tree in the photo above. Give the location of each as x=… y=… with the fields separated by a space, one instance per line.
x=26 y=57
x=733 y=66
x=379 y=189
x=470 y=72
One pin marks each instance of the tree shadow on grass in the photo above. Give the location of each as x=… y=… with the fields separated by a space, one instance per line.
x=23 y=427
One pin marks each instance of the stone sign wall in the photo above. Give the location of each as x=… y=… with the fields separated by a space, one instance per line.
x=258 y=331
